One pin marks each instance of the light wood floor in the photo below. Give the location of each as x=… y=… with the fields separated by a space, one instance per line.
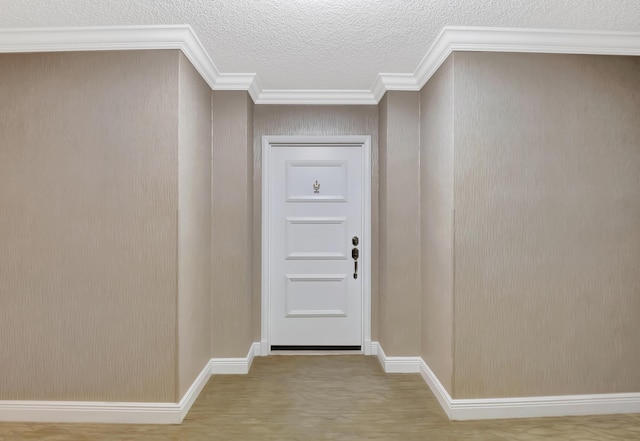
x=329 y=398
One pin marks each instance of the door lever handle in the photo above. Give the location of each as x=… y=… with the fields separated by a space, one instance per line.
x=355 y=254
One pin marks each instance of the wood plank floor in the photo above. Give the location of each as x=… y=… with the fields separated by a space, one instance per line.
x=345 y=397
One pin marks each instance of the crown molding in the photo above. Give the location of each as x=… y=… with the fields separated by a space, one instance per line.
x=113 y=38
x=255 y=89
x=97 y=38
x=234 y=82
x=193 y=49
x=486 y=39
x=310 y=96
x=397 y=81
x=450 y=39
x=378 y=89
x=392 y=81
x=248 y=82
x=522 y=40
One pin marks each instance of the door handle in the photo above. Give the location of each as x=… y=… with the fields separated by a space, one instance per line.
x=355 y=254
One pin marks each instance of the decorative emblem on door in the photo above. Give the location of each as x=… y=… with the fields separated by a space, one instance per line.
x=316 y=187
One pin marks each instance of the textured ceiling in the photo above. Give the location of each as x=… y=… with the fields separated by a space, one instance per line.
x=322 y=44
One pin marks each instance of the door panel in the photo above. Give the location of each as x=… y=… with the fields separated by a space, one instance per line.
x=316 y=208
x=316 y=295
x=317 y=238
x=330 y=175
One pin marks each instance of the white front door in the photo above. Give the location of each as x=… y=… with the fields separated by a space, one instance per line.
x=316 y=223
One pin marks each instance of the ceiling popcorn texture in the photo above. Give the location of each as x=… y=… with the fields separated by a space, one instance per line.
x=322 y=44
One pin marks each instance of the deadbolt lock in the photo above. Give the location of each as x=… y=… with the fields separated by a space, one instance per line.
x=355 y=241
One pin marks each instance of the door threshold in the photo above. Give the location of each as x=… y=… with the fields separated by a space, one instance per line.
x=309 y=352
x=315 y=350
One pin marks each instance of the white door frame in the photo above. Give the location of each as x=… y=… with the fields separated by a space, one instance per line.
x=364 y=142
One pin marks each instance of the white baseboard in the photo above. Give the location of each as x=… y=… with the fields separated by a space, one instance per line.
x=498 y=408
x=437 y=388
x=105 y=412
x=90 y=412
x=224 y=366
x=553 y=406
x=456 y=409
x=528 y=407
x=257 y=350
x=396 y=365
x=193 y=392
x=125 y=412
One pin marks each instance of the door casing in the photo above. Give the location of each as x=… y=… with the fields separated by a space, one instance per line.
x=362 y=141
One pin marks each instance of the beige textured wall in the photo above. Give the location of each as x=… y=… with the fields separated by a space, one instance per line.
x=252 y=271
x=194 y=225
x=399 y=317
x=380 y=269
x=312 y=120
x=547 y=225
x=88 y=225
x=436 y=222
x=232 y=239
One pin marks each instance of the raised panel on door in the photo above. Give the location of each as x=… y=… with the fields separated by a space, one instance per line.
x=330 y=184
x=316 y=295
x=320 y=238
